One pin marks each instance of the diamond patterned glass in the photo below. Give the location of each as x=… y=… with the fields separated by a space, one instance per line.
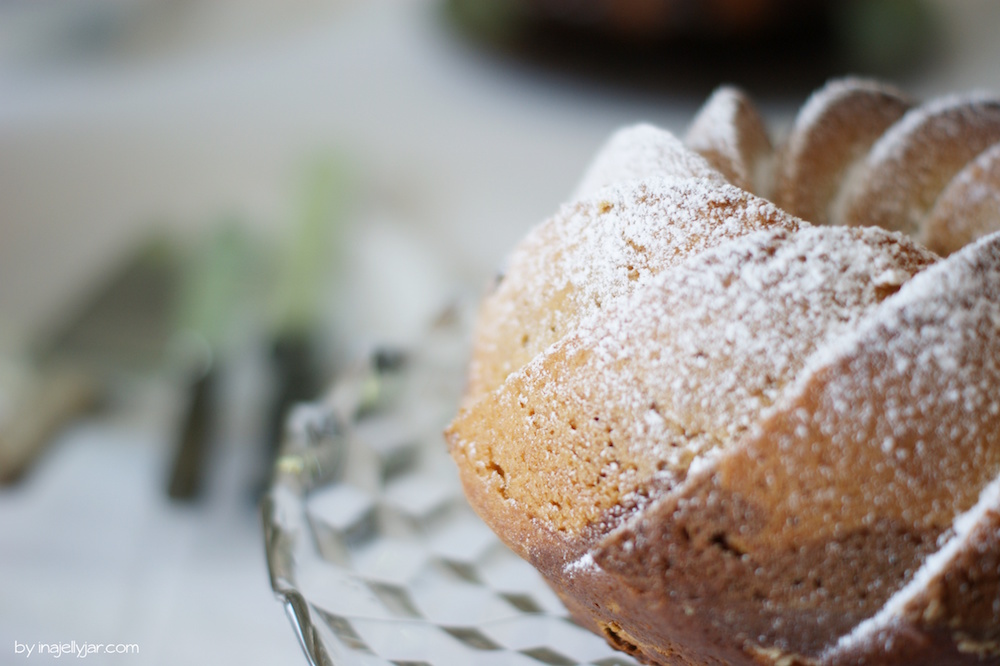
x=371 y=546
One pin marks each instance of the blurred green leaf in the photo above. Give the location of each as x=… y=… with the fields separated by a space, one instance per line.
x=310 y=249
x=214 y=284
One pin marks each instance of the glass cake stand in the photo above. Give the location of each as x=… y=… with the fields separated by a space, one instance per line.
x=371 y=546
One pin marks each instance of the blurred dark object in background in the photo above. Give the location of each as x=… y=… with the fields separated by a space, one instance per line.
x=118 y=326
x=775 y=47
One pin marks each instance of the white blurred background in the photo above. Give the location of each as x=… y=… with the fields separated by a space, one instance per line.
x=123 y=121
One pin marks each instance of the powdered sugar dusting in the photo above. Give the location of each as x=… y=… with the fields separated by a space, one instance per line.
x=714 y=342
x=921 y=370
x=596 y=251
x=955 y=303
x=651 y=220
x=640 y=152
x=585 y=563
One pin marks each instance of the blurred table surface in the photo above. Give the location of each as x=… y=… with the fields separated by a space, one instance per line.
x=458 y=154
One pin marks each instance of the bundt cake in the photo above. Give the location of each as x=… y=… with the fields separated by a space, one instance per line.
x=728 y=430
